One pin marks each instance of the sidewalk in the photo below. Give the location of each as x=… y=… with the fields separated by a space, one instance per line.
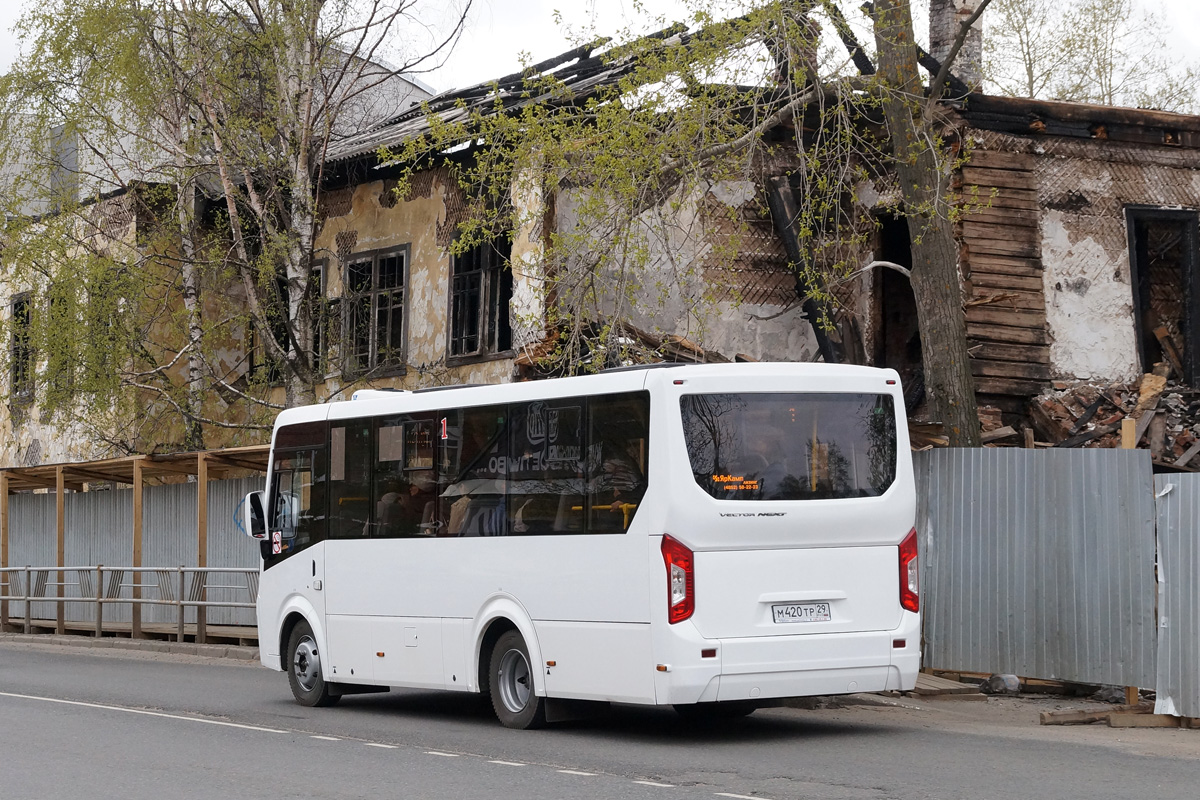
x=248 y=654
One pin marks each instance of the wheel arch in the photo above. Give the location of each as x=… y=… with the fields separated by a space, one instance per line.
x=499 y=614
x=296 y=609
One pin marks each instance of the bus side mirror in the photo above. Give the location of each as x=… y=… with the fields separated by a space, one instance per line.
x=255 y=517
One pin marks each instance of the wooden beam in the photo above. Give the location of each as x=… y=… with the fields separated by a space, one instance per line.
x=201 y=536
x=4 y=548
x=997 y=159
x=135 y=631
x=60 y=504
x=1007 y=333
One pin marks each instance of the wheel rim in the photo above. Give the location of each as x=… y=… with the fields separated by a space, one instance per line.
x=514 y=679
x=306 y=664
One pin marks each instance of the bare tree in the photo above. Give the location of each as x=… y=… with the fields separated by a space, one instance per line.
x=214 y=118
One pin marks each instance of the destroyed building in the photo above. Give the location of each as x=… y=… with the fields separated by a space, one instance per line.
x=1077 y=259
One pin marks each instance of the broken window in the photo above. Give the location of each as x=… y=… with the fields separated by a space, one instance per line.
x=374 y=311
x=21 y=347
x=1163 y=264
x=481 y=291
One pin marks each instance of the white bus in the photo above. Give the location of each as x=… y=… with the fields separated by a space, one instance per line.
x=713 y=537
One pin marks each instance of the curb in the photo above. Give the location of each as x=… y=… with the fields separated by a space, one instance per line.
x=137 y=645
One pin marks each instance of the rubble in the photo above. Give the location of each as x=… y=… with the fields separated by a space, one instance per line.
x=1152 y=413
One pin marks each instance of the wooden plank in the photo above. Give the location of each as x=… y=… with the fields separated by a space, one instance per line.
x=1015 y=318
x=60 y=504
x=971 y=197
x=996 y=159
x=1182 y=461
x=1004 y=216
x=976 y=229
x=1000 y=351
x=1006 y=333
x=994 y=280
x=3 y=547
x=985 y=191
x=981 y=367
x=1077 y=716
x=201 y=539
x=1003 y=247
x=998 y=434
x=984 y=297
x=1011 y=386
x=1167 y=343
x=1087 y=436
x=1132 y=720
x=1005 y=265
x=1128 y=433
x=135 y=630
x=1000 y=178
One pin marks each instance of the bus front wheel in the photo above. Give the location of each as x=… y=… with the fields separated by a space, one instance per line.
x=511 y=684
x=304 y=669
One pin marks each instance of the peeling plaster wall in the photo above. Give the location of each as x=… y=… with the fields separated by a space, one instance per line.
x=674 y=292
x=1083 y=189
x=374 y=220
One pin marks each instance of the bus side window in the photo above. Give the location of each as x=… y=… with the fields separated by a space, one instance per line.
x=472 y=461
x=349 y=479
x=618 y=438
x=545 y=472
x=403 y=482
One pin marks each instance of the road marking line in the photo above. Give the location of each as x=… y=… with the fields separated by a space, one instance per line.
x=660 y=785
x=440 y=753
x=384 y=746
x=142 y=712
x=576 y=772
x=739 y=796
x=508 y=763
x=326 y=738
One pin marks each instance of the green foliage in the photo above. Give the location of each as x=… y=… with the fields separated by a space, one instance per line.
x=654 y=174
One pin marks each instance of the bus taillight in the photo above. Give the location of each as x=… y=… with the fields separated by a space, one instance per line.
x=681 y=580
x=909 y=573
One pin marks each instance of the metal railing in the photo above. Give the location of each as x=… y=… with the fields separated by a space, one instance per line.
x=100 y=585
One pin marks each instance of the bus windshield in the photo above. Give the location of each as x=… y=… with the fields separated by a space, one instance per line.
x=791 y=446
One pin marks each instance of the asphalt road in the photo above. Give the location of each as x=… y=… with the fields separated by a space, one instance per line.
x=88 y=723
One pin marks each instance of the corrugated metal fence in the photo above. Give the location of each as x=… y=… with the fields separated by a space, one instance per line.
x=97 y=530
x=1178 y=687
x=1039 y=563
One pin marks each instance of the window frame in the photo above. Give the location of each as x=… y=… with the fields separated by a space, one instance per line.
x=398 y=365
x=490 y=276
x=1135 y=214
x=22 y=355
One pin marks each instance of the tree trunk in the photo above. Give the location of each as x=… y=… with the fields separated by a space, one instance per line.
x=923 y=185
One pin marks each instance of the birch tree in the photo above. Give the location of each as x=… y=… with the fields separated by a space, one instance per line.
x=212 y=117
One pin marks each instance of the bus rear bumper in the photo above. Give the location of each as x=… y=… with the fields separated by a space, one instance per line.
x=772 y=667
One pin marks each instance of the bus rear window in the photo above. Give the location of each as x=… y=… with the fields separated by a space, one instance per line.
x=793 y=446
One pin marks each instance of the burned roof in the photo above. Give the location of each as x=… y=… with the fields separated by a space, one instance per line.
x=578 y=74
x=1022 y=116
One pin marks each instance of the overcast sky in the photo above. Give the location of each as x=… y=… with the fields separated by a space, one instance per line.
x=500 y=30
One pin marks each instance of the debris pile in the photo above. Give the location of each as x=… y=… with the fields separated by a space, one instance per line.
x=1151 y=413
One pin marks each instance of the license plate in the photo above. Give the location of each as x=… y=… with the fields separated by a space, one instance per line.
x=800 y=612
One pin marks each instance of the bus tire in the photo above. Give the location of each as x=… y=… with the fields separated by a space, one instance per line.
x=510 y=680
x=304 y=669
x=713 y=713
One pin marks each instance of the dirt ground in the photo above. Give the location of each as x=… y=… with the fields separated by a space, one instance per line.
x=1016 y=718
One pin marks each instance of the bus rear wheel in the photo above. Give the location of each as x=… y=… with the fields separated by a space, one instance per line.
x=511 y=684
x=304 y=669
